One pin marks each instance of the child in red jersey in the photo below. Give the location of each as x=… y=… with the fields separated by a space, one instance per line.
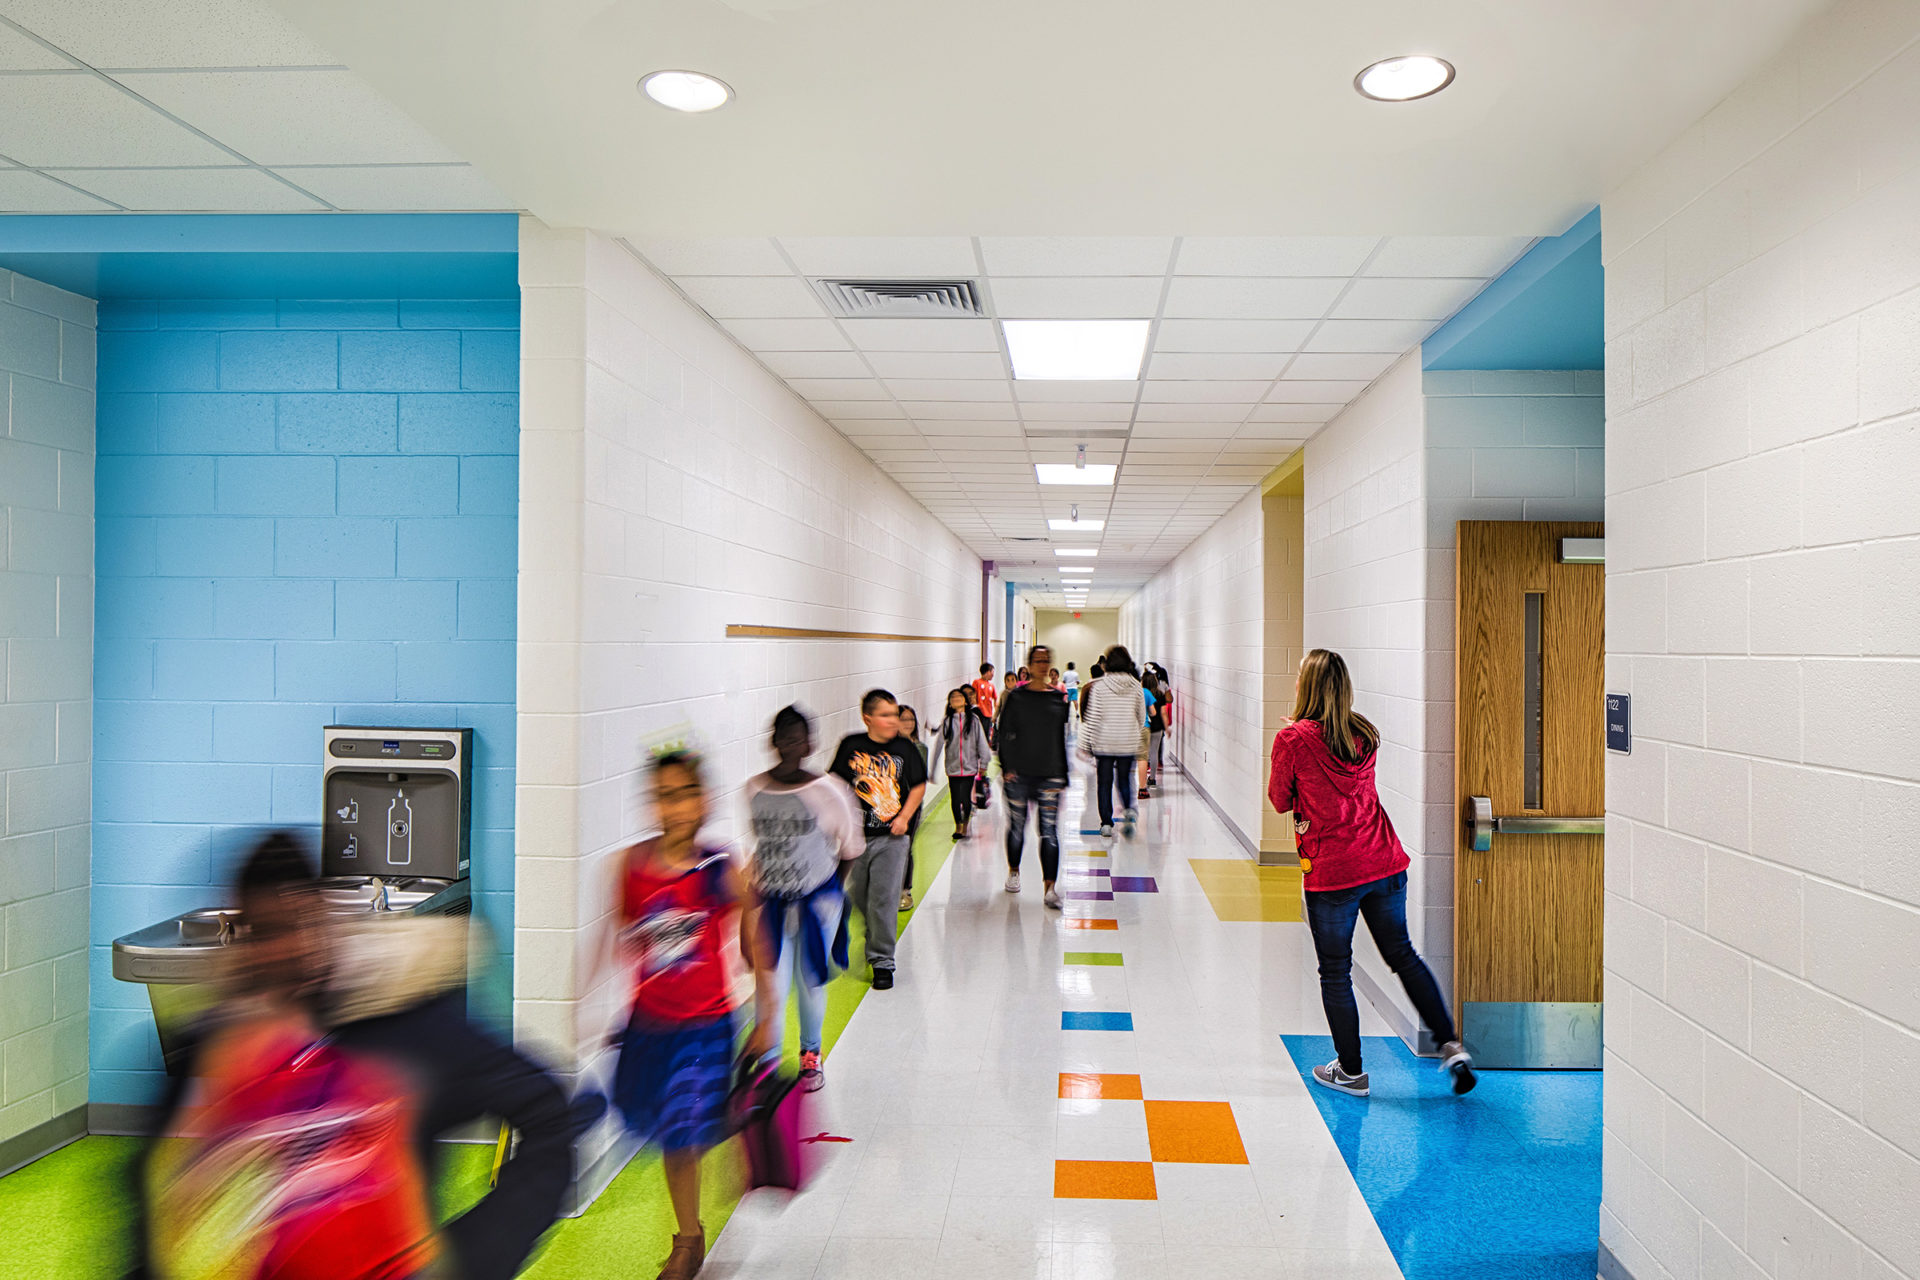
x=680 y=901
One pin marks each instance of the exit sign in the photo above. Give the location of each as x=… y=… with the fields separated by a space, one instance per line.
x=1620 y=723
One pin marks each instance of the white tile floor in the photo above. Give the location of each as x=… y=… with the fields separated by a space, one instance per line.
x=948 y=1086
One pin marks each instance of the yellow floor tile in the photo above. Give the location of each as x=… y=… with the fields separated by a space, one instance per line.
x=1243 y=891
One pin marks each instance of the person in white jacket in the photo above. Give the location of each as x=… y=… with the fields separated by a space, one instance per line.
x=804 y=828
x=1112 y=711
x=961 y=741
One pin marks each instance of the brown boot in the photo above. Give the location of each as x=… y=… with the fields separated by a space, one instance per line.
x=689 y=1253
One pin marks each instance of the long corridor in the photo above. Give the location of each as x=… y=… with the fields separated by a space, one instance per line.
x=1096 y=1094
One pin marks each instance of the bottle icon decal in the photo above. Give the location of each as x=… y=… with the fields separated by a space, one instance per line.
x=348 y=812
x=400 y=831
x=353 y=847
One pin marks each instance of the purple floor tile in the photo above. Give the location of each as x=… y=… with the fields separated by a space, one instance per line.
x=1086 y=895
x=1134 y=884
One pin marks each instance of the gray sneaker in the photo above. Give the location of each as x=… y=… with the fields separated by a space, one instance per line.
x=1106 y=831
x=1334 y=1078
x=1458 y=1063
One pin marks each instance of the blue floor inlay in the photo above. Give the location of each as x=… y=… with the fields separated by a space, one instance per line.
x=1083 y=1020
x=1503 y=1184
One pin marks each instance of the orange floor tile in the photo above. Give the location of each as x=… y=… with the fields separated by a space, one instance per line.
x=1074 y=923
x=1194 y=1133
x=1075 y=1084
x=1103 y=1180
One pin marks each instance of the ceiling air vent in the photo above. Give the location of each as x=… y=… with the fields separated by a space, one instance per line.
x=900 y=299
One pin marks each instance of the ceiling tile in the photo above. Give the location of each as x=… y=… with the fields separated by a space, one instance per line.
x=1094 y=413
x=831 y=389
x=378 y=188
x=952 y=389
x=816 y=364
x=1176 y=364
x=1090 y=391
x=1076 y=255
x=22 y=53
x=843 y=410
x=1232 y=414
x=24 y=191
x=1077 y=298
x=956 y=410
x=1369 y=335
x=923 y=335
x=1224 y=298
x=1295 y=412
x=1002 y=429
x=293 y=117
x=227 y=190
x=181 y=33
x=1399 y=299
x=1273 y=255
x=752 y=297
x=882 y=257
x=1336 y=367
x=1217 y=336
x=1221 y=392
x=50 y=120
x=787 y=335
x=1293 y=390
x=734 y=256
x=937 y=364
x=1483 y=256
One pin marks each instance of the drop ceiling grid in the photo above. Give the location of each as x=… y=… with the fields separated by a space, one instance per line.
x=1254 y=343
x=134 y=109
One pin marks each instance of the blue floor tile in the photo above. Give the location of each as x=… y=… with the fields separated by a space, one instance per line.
x=1503 y=1184
x=1086 y=1020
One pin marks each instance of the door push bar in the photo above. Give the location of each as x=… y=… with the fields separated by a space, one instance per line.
x=1482 y=826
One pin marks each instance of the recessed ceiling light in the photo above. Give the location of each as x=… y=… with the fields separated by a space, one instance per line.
x=685 y=90
x=1076 y=350
x=1076 y=551
x=1076 y=526
x=1404 y=79
x=1097 y=473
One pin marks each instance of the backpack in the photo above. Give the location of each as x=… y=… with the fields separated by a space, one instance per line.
x=768 y=1110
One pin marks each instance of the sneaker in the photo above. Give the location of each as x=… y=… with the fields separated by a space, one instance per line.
x=1133 y=816
x=1458 y=1063
x=1053 y=898
x=689 y=1254
x=1106 y=830
x=906 y=899
x=811 y=1076
x=1013 y=883
x=883 y=979
x=1334 y=1078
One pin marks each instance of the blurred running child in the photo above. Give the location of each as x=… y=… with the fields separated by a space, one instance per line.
x=678 y=901
x=890 y=780
x=805 y=826
x=910 y=730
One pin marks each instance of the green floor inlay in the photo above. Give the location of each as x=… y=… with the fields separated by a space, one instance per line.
x=1094 y=957
x=70 y=1215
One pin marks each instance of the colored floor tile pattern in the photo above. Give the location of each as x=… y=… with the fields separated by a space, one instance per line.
x=1241 y=891
x=1090 y=1020
x=1508 y=1176
x=1111 y=959
x=1103 y=1180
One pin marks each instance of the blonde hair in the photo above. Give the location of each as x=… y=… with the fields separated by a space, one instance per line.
x=1324 y=694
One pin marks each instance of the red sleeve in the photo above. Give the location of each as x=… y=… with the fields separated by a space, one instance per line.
x=1280 y=782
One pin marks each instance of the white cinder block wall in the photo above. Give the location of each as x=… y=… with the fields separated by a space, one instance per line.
x=1763 y=607
x=670 y=487
x=46 y=690
x=1201 y=619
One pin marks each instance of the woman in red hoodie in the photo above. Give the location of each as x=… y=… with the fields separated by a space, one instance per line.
x=1323 y=773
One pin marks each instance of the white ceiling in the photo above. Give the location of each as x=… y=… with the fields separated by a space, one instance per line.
x=1255 y=342
x=203 y=105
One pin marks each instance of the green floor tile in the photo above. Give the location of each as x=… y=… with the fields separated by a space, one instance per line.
x=1094 y=957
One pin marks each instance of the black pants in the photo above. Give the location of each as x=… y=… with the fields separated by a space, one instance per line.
x=1112 y=769
x=960 y=797
x=1330 y=916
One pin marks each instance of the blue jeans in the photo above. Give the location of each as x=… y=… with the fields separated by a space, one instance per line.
x=1022 y=792
x=1330 y=917
x=1111 y=769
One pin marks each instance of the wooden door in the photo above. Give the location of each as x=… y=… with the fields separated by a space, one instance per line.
x=1529 y=738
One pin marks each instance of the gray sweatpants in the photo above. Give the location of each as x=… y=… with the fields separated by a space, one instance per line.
x=874 y=883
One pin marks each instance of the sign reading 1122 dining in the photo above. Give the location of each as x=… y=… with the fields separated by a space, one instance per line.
x=1619 y=723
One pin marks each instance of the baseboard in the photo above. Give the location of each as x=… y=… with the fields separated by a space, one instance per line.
x=1246 y=842
x=1611 y=1268
x=589 y=1182
x=43 y=1139
x=122 y=1119
x=1411 y=1032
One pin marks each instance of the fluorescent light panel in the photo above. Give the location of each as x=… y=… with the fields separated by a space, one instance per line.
x=1076 y=551
x=1076 y=526
x=1094 y=473
x=1076 y=350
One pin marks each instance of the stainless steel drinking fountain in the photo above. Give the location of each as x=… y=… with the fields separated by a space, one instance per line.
x=395 y=835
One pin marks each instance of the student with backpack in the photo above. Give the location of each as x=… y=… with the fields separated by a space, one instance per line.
x=1323 y=773
x=961 y=741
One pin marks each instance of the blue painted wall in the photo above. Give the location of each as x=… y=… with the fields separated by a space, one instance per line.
x=1546 y=311
x=306 y=515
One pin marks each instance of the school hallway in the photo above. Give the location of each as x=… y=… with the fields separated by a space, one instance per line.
x=1104 y=1093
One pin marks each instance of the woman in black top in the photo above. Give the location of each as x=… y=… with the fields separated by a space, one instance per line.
x=1033 y=767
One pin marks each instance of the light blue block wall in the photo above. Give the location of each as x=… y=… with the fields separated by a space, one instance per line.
x=306 y=516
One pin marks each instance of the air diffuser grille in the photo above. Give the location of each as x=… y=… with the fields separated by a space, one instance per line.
x=900 y=299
